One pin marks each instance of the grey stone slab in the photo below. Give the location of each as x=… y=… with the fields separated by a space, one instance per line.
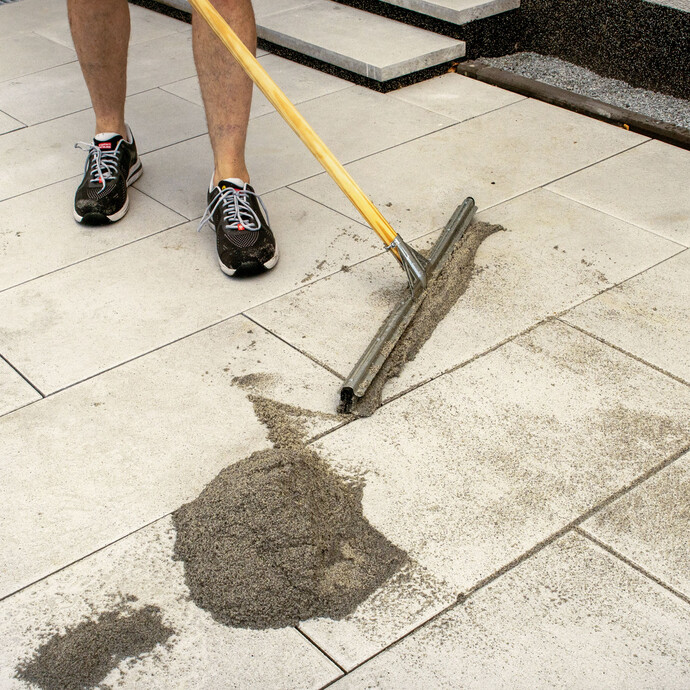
x=647 y=186
x=648 y=316
x=9 y=124
x=571 y=616
x=202 y=653
x=15 y=392
x=649 y=525
x=555 y=254
x=30 y=15
x=91 y=464
x=491 y=158
x=146 y=25
x=37 y=156
x=683 y=5
x=299 y=83
x=406 y=601
x=25 y=233
x=265 y=8
x=457 y=11
x=25 y=52
x=89 y=317
x=364 y=43
x=455 y=96
x=277 y=157
x=474 y=469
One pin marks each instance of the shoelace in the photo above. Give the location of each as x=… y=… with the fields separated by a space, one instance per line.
x=237 y=211
x=102 y=165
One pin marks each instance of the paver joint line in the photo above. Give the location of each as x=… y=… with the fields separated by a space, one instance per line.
x=613 y=552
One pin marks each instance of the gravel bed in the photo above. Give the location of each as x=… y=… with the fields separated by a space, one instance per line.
x=557 y=72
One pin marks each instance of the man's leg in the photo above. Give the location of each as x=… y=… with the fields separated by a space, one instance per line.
x=225 y=88
x=244 y=240
x=100 y=31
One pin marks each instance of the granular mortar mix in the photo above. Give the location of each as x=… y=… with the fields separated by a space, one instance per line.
x=278 y=538
x=442 y=292
x=84 y=654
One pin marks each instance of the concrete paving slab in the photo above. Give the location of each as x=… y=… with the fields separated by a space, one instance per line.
x=264 y=8
x=29 y=15
x=493 y=158
x=455 y=96
x=365 y=43
x=299 y=83
x=9 y=124
x=646 y=186
x=84 y=319
x=555 y=254
x=457 y=11
x=91 y=464
x=25 y=234
x=61 y=90
x=649 y=525
x=277 y=157
x=25 y=52
x=648 y=316
x=571 y=616
x=410 y=598
x=15 y=392
x=145 y=26
x=38 y=156
x=200 y=653
x=474 y=469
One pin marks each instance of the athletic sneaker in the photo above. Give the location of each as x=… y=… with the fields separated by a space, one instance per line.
x=244 y=241
x=111 y=166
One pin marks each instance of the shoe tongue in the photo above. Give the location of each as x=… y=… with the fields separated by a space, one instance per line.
x=106 y=141
x=231 y=182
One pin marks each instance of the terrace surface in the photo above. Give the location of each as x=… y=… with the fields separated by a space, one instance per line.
x=533 y=461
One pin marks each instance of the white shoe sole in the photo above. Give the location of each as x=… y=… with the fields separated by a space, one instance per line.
x=267 y=266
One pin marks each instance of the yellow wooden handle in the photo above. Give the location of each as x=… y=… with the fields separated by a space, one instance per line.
x=299 y=125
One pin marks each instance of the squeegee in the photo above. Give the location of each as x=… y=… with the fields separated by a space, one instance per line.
x=418 y=269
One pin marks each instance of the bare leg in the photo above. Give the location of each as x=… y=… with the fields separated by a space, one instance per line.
x=100 y=31
x=226 y=89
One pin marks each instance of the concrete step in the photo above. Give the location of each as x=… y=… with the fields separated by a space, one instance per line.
x=457 y=11
x=366 y=44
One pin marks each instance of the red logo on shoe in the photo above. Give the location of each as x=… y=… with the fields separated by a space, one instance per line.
x=105 y=145
x=240 y=227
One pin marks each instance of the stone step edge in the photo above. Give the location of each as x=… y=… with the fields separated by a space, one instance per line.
x=482 y=10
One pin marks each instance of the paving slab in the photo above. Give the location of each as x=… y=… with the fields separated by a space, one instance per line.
x=264 y=8
x=365 y=43
x=25 y=52
x=38 y=156
x=649 y=525
x=25 y=234
x=648 y=316
x=200 y=653
x=299 y=83
x=472 y=470
x=493 y=158
x=277 y=157
x=572 y=616
x=15 y=392
x=457 y=11
x=145 y=26
x=30 y=15
x=455 y=96
x=9 y=124
x=89 y=317
x=555 y=254
x=646 y=186
x=87 y=466
x=407 y=600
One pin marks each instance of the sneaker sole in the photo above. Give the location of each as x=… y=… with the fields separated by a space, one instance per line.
x=101 y=218
x=251 y=268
